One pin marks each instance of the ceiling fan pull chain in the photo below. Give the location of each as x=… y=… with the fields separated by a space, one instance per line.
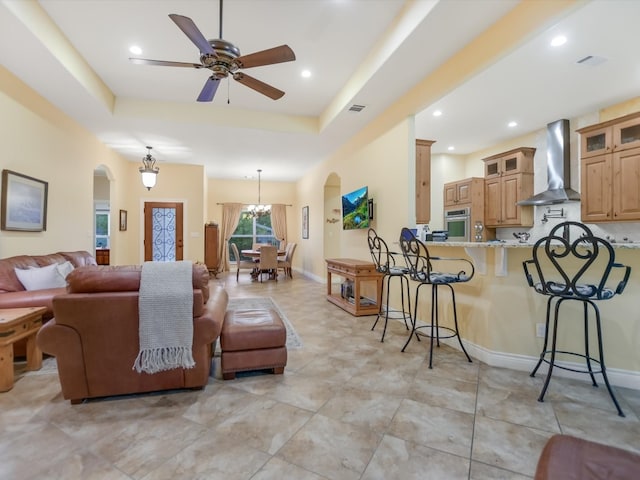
x=228 y=101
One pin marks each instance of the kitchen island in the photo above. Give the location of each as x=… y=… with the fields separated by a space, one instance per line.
x=498 y=312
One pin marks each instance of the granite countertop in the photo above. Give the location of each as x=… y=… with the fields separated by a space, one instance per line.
x=517 y=244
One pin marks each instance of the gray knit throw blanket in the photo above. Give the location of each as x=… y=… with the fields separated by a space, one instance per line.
x=165 y=310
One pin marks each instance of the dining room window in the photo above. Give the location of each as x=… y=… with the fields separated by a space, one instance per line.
x=252 y=230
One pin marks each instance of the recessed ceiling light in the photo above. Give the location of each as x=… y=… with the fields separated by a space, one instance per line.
x=437 y=113
x=559 y=40
x=512 y=124
x=450 y=148
x=305 y=73
x=136 y=50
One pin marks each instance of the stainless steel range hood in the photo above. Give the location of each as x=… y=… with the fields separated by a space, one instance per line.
x=558 y=168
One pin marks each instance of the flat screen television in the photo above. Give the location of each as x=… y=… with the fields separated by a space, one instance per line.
x=355 y=209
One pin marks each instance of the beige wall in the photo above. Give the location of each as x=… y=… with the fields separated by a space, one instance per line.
x=40 y=141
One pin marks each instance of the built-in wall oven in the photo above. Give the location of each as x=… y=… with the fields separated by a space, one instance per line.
x=458 y=223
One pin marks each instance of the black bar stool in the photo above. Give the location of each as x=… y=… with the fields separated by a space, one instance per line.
x=385 y=263
x=421 y=270
x=575 y=270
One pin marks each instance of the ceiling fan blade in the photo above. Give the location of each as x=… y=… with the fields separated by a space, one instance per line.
x=190 y=30
x=163 y=63
x=266 y=57
x=258 y=86
x=209 y=89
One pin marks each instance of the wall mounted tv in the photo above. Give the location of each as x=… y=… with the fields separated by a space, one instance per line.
x=355 y=209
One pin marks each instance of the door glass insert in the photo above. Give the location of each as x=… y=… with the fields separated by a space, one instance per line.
x=510 y=164
x=492 y=168
x=163 y=234
x=630 y=134
x=596 y=142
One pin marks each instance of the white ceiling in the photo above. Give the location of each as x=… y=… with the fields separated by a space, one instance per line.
x=368 y=52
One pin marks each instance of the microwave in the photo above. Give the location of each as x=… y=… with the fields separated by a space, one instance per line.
x=457 y=222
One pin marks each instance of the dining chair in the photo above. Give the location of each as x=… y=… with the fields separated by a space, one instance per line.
x=268 y=262
x=385 y=263
x=578 y=270
x=286 y=262
x=421 y=270
x=241 y=264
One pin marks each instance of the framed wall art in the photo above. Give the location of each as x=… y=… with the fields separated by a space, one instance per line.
x=24 y=203
x=305 y=222
x=123 y=220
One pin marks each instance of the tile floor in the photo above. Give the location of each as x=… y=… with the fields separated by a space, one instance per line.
x=347 y=407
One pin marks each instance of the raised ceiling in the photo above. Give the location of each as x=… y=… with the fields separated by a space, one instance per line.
x=366 y=52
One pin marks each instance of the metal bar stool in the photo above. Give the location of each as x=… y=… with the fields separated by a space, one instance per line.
x=579 y=271
x=421 y=270
x=385 y=263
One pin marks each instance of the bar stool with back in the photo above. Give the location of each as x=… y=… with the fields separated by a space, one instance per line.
x=421 y=270
x=385 y=263
x=575 y=270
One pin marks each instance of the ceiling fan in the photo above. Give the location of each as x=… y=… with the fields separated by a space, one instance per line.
x=223 y=59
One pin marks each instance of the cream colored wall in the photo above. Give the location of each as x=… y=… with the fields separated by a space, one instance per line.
x=382 y=166
x=175 y=183
x=40 y=141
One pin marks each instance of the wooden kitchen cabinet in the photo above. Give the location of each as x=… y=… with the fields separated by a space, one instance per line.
x=610 y=170
x=423 y=181
x=518 y=160
x=508 y=180
x=211 y=245
x=462 y=191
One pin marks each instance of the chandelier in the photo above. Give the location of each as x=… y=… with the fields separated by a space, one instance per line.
x=259 y=210
x=149 y=171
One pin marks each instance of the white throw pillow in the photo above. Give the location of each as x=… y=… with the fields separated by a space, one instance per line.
x=64 y=269
x=40 y=278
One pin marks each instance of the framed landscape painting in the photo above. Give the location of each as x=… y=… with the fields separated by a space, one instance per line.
x=24 y=203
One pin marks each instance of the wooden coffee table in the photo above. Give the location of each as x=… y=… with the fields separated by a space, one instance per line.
x=15 y=324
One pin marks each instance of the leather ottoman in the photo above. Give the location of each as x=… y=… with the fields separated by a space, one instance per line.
x=569 y=458
x=252 y=340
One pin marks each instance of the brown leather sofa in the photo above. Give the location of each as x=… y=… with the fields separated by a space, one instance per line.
x=14 y=295
x=94 y=335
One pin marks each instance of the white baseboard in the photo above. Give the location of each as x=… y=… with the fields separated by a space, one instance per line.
x=526 y=363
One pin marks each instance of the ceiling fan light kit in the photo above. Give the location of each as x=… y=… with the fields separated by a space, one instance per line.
x=223 y=58
x=148 y=170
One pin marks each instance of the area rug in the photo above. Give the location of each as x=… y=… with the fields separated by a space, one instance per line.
x=247 y=303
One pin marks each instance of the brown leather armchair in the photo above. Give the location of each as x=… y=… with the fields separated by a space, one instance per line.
x=94 y=335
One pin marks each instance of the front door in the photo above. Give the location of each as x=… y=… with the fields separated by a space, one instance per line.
x=162 y=231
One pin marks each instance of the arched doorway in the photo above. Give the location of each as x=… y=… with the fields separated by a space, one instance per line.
x=102 y=218
x=332 y=216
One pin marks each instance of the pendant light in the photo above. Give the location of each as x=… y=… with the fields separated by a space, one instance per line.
x=259 y=210
x=149 y=171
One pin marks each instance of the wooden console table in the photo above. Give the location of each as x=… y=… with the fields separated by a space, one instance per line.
x=357 y=271
x=15 y=324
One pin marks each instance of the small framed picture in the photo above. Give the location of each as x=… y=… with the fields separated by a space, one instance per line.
x=24 y=202
x=123 y=220
x=305 y=222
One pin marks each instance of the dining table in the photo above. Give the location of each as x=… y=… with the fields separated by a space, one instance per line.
x=255 y=255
